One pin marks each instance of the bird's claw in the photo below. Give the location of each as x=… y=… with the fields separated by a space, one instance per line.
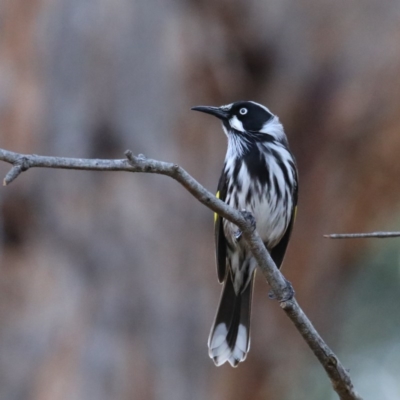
x=288 y=295
x=248 y=216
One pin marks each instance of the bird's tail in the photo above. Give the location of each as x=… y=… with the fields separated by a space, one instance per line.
x=229 y=338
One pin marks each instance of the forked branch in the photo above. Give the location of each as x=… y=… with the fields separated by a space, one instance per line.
x=339 y=376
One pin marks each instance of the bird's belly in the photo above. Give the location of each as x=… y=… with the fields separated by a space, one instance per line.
x=272 y=218
x=271 y=223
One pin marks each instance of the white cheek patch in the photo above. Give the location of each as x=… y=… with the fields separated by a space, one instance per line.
x=265 y=127
x=236 y=124
x=274 y=128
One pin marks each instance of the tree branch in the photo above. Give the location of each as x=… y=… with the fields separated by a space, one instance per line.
x=380 y=235
x=282 y=290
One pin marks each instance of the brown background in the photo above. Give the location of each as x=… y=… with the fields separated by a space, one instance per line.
x=107 y=281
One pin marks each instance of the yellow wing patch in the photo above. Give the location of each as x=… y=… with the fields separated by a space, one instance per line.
x=295 y=213
x=215 y=214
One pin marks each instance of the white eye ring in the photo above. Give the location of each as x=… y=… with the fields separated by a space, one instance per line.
x=243 y=111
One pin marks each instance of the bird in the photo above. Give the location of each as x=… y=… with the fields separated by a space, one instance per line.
x=259 y=176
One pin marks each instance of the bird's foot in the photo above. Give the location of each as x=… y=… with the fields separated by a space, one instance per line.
x=288 y=294
x=271 y=295
x=248 y=216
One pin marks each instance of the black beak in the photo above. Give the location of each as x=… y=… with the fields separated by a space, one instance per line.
x=216 y=111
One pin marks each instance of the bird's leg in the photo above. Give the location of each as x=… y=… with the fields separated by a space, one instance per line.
x=289 y=293
x=249 y=218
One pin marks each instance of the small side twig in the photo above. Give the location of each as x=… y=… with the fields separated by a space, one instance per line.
x=380 y=235
x=19 y=166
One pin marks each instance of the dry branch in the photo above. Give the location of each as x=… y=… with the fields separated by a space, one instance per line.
x=282 y=290
x=380 y=235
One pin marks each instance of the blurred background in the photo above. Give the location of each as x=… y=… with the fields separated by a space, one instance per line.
x=108 y=285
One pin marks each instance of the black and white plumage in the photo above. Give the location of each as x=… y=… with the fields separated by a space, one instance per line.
x=259 y=176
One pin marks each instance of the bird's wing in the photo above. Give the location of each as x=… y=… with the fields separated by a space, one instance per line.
x=220 y=240
x=278 y=252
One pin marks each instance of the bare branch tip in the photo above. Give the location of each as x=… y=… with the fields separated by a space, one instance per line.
x=133 y=160
x=14 y=172
x=128 y=154
x=381 y=235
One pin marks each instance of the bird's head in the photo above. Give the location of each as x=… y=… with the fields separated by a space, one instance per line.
x=246 y=117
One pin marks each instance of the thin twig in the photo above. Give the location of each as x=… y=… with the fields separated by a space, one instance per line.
x=380 y=235
x=339 y=376
x=20 y=166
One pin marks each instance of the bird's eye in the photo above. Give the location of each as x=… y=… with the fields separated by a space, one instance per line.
x=243 y=111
